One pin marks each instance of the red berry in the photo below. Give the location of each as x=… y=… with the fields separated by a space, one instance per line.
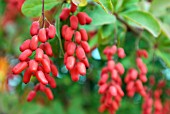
x=34 y=43
x=82 y=18
x=49 y=93
x=39 y=54
x=119 y=67
x=86 y=62
x=77 y=37
x=71 y=48
x=19 y=67
x=27 y=76
x=74 y=74
x=63 y=30
x=33 y=66
x=51 y=31
x=102 y=88
x=121 y=53
x=88 y=19
x=41 y=77
x=46 y=65
x=54 y=70
x=34 y=28
x=81 y=68
x=111 y=65
x=68 y=34
x=48 y=49
x=65 y=45
x=64 y=14
x=74 y=22
x=113 y=91
x=80 y=53
x=70 y=62
x=42 y=35
x=31 y=95
x=84 y=35
x=50 y=80
x=85 y=46
x=25 y=54
x=73 y=7
x=25 y=45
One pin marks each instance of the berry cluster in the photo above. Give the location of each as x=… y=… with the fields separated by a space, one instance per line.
x=158 y=106
x=135 y=79
x=41 y=65
x=147 y=104
x=110 y=81
x=75 y=45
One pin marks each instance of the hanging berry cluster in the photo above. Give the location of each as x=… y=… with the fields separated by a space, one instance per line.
x=40 y=66
x=147 y=104
x=110 y=81
x=75 y=45
x=135 y=79
x=158 y=106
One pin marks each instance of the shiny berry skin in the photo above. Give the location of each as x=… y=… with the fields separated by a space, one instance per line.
x=25 y=45
x=51 y=31
x=68 y=34
x=49 y=93
x=81 y=68
x=50 y=80
x=64 y=14
x=34 y=28
x=82 y=18
x=48 y=49
x=42 y=35
x=73 y=7
x=77 y=37
x=85 y=46
x=19 y=67
x=25 y=54
x=63 y=30
x=33 y=66
x=71 y=48
x=41 y=77
x=31 y=95
x=84 y=35
x=74 y=74
x=46 y=65
x=34 y=43
x=70 y=62
x=121 y=53
x=80 y=53
x=39 y=54
x=54 y=70
x=27 y=76
x=74 y=22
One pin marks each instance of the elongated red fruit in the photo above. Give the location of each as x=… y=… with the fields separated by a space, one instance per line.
x=25 y=45
x=73 y=7
x=77 y=37
x=41 y=77
x=65 y=45
x=46 y=65
x=48 y=49
x=34 y=43
x=25 y=54
x=42 y=35
x=49 y=93
x=85 y=46
x=121 y=53
x=31 y=95
x=68 y=34
x=51 y=81
x=70 y=62
x=119 y=67
x=63 y=30
x=46 y=57
x=51 y=31
x=34 y=28
x=81 y=68
x=54 y=70
x=139 y=85
x=39 y=54
x=65 y=14
x=111 y=65
x=80 y=53
x=113 y=91
x=74 y=22
x=19 y=67
x=84 y=35
x=27 y=76
x=88 y=19
x=33 y=66
x=86 y=62
x=82 y=18
x=102 y=88
x=41 y=46
x=71 y=48
x=74 y=74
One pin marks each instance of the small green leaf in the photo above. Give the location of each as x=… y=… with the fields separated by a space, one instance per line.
x=33 y=8
x=144 y=20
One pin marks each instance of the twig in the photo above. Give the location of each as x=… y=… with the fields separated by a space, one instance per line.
x=43 y=17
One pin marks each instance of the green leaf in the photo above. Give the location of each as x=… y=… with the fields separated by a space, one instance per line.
x=105 y=4
x=164 y=56
x=33 y=8
x=99 y=16
x=144 y=20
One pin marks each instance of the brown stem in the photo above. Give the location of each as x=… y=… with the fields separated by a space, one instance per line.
x=43 y=17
